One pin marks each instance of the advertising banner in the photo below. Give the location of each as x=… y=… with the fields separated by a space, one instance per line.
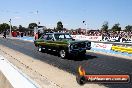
x=101 y=46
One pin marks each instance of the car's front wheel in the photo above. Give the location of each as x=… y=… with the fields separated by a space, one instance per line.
x=62 y=53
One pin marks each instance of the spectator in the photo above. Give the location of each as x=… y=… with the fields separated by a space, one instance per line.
x=21 y=34
x=4 y=35
x=39 y=34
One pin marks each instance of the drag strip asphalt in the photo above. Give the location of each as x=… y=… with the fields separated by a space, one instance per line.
x=94 y=63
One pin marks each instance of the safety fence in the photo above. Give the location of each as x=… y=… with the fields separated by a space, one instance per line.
x=83 y=37
x=102 y=38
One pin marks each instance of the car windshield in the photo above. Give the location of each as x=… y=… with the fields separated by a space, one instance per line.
x=62 y=36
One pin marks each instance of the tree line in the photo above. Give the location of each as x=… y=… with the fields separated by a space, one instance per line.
x=5 y=27
x=115 y=27
x=59 y=27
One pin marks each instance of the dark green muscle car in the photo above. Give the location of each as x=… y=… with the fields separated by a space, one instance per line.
x=62 y=43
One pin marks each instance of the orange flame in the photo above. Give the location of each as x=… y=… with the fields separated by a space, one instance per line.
x=81 y=71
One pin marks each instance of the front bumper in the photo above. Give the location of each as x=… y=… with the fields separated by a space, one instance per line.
x=88 y=48
x=77 y=52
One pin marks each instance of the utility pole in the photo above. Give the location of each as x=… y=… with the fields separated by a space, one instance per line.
x=10 y=28
x=38 y=22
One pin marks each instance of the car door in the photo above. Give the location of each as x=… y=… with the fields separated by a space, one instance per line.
x=60 y=43
x=50 y=44
x=39 y=41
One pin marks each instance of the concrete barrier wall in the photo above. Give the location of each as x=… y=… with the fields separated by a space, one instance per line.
x=12 y=77
x=123 y=49
x=101 y=46
x=4 y=82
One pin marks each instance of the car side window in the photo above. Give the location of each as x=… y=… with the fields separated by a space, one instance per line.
x=61 y=37
x=44 y=37
x=49 y=37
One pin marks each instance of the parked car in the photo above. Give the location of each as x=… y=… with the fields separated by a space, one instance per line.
x=62 y=43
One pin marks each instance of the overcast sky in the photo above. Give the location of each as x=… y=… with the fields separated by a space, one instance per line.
x=70 y=12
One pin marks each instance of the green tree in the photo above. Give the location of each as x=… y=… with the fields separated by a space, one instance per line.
x=128 y=28
x=59 y=26
x=116 y=27
x=14 y=27
x=105 y=27
x=4 y=27
x=32 y=25
x=22 y=29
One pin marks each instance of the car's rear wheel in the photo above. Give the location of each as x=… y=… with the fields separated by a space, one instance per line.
x=62 y=53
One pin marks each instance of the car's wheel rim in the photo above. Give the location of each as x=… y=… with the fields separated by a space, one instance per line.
x=62 y=53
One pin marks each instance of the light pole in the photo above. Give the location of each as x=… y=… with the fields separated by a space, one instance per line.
x=38 y=18
x=85 y=24
x=86 y=28
x=10 y=28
